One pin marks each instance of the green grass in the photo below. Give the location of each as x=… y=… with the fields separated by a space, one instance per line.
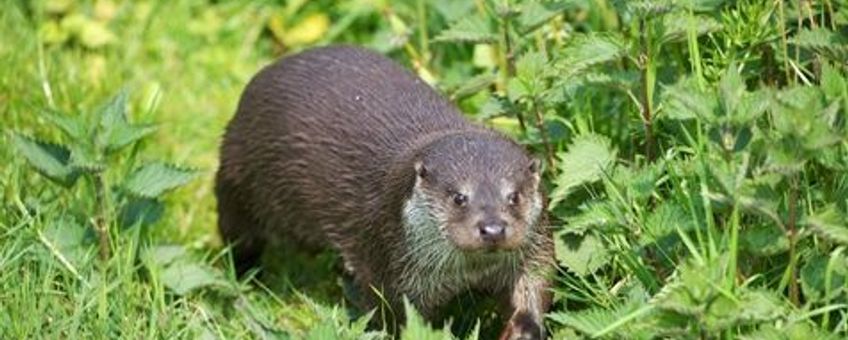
x=700 y=188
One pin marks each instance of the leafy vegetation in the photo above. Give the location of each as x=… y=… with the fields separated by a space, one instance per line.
x=696 y=160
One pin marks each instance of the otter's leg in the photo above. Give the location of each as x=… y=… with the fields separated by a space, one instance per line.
x=238 y=229
x=526 y=306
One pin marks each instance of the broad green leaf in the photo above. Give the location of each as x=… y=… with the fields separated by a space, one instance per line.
x=85 y=159
x=125 y=135
x=684 y=100
x=731 y=89
x=72 y=240
x=73 y=126
x=152 y=180
x=830 y=44
x=536 y=13
x=182 y=277
x=830 y=224
x=833 y=84
x=582 y=255
x=50 y=160
x=593 y=214
x=814 y=279
x=165 y=254
x=474 y=29
x=663 y=223
x=473 y=85
x=588 y=158
x=597 y=320
x=114 y=113
x=587 y=50
x=676 y=26
x=418 y=329
x=140 y=211
x=764 y=240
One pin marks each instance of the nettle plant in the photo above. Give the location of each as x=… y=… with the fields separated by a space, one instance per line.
x=101 y=150
x=698 y=188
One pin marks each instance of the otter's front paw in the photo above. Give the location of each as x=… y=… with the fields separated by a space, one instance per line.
x=522 y=326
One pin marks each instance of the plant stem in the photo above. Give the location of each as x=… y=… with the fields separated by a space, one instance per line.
x=785 y=46
x=648 y=78
x=792 y=234
x=508 y=65
x=540 y=125
x=100 y=222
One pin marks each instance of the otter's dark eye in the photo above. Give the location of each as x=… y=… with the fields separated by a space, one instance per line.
x=513 y=198
x=460 y=199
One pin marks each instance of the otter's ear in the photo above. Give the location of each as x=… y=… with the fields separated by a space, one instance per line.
x=534 y=166
x=420 y=169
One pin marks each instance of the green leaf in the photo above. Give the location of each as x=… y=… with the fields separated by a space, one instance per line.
x=598 y=320
x=829 y=223
x=140 y=211
x=830 y=44
x=125 y=135
x=813 y=278
x=165 y=254
x=536 y=13
x=587 y=50
x=50 y=160
x=418 y=329
x=182 y=277
x=731 y=89
x=474 y=29
x=73 y=126
x=676 y=25
x=582 y=255
x=152 y=180
x=764 y=240
x=588 y=158
x=71 y=239
x=114 y=113
x=684 y=100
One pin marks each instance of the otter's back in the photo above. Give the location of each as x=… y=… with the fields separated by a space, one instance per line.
x=317 y=131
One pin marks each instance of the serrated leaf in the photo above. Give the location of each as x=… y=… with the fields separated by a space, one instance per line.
x=475 y=29
x=114 y=113
x=182 y=277
x=73 y=127
x=596 y=321
x=124 y=135
x=165 y=254
x=830 y=44
x=140 y=211
x=731 y=89
x=533 y=14
x=588 y=158
x=473 y=85
x=764 y=240
x=71 y=239
x=813 y=278
x=677 y=24
x=663 y=223
x=418 y=329
x=84 y=159
x=582 y=255
x=152 y=180
x=830 y=224
x=684 y=100
x=588 y=50
x=50 y=160
x=593 y=214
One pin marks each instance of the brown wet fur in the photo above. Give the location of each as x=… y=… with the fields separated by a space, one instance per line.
x=322 y=152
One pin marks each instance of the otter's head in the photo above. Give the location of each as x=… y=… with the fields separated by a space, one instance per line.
x=478 y=192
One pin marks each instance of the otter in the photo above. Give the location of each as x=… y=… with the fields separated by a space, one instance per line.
x=341 y=147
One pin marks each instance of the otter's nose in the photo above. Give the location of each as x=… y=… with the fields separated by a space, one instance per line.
x=492 y=232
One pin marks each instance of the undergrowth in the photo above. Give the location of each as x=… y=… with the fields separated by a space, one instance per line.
x=696 y=160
